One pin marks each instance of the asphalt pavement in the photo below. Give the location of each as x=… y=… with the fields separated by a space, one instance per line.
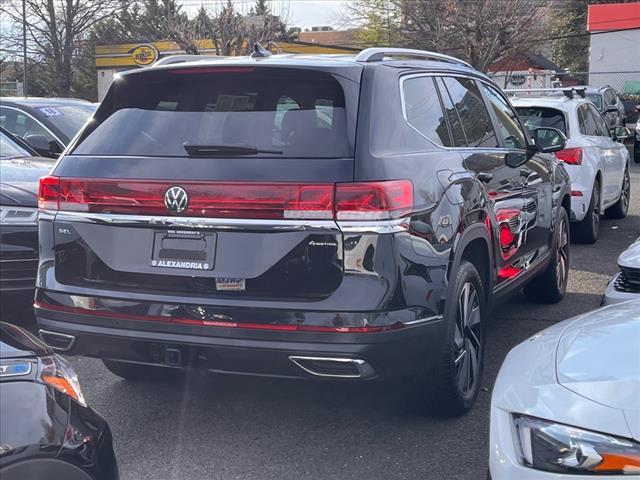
x=224 y=427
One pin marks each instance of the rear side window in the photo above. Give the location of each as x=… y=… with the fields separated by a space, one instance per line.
x=538 y=117
x=280 y=113
x=471 y=110
x=590 y=122
x=455 y=123
x=507 y=120
x=423 y=110
x=601 y=127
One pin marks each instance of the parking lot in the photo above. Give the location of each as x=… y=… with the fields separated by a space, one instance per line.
x=247 y=428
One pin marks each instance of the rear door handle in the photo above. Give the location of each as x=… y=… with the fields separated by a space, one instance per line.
x=484 y=177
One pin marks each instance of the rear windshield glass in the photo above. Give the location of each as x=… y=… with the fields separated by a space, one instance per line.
x=536 y=117
x=272 y=113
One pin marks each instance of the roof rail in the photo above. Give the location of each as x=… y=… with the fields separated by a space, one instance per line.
x=377 y=54
x=185 y=58
x=567 y=91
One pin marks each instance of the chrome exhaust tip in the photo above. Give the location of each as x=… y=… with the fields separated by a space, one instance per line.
x=334 y=367
x=60 y=342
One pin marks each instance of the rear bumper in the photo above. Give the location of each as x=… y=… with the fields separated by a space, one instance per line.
x=404 y=350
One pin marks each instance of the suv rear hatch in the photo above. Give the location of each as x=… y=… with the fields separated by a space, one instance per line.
x=209 y=181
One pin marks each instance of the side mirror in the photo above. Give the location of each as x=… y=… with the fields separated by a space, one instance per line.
x=515 y=159
x=55 y=149
x=621 y=133
x=611 y=108
x=43 y=146
x=548 y=140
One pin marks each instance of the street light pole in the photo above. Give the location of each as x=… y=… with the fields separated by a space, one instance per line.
x=25 y=91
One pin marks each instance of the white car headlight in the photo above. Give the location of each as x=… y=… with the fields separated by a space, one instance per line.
x=18 y=215
x=558 y=448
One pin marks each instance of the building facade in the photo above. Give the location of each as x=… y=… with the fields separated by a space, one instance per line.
x=614 y=53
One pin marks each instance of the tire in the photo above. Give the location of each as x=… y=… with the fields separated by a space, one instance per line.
x=138 y=372
x=619 y=209
x=587 y=230
x=551 y=285
x=458 y=379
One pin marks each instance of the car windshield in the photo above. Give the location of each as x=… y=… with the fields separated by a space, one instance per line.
x=69 y=119
x=10 y=149
x=596 y=99
x=283 y=113
x=536 y=117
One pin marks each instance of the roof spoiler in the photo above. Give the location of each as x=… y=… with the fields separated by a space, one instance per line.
x=570 y=92
x=171 y=59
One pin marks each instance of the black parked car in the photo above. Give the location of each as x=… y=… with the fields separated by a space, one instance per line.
x=46 y=430
x=329 y=216
x=20 y=171
x=608 y=104
x=47 y=124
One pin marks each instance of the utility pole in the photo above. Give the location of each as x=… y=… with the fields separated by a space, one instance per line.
x=25 y=90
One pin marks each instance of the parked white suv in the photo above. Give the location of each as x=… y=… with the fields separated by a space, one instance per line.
x=597 y=162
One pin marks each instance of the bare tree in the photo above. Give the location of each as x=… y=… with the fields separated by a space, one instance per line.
x=481 y=31
x=233 y=33
x=55 y=30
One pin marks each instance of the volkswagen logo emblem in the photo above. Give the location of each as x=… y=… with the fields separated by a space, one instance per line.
x=176 y=199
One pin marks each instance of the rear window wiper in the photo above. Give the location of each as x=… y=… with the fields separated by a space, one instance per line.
x=197 y=150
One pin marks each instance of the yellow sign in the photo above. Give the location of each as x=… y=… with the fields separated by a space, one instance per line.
x=144 y=55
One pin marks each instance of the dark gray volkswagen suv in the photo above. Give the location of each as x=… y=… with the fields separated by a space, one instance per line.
x=351 y=217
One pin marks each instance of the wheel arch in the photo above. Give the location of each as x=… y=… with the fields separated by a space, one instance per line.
x=475 y=246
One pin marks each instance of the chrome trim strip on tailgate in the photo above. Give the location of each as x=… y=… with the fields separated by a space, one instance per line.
x=197 y=222
x=349 y=226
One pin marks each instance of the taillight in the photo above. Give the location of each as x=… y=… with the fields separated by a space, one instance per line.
x=373 y=200
x=318 y=201
x=571 y=156
x=48 y=193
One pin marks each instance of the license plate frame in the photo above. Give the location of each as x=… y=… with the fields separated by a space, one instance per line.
x=183 y=250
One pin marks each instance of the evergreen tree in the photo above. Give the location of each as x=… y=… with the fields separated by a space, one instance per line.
x=572 y=52
x=262 y=7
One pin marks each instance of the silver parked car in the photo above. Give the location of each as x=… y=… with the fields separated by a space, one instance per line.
x=565 y=403
x=625 y=285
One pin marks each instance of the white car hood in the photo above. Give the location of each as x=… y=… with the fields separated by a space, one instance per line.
x=630 y=258
x=598 y=358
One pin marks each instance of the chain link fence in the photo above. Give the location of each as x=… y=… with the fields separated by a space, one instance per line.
x=626 y=83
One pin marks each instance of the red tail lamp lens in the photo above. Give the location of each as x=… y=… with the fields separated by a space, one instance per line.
x=374 y=200
x=570 y=156
x=237 y=200
x=351 y=201
x=48 y=193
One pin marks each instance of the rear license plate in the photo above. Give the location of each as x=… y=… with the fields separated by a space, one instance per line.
x=183 y=249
